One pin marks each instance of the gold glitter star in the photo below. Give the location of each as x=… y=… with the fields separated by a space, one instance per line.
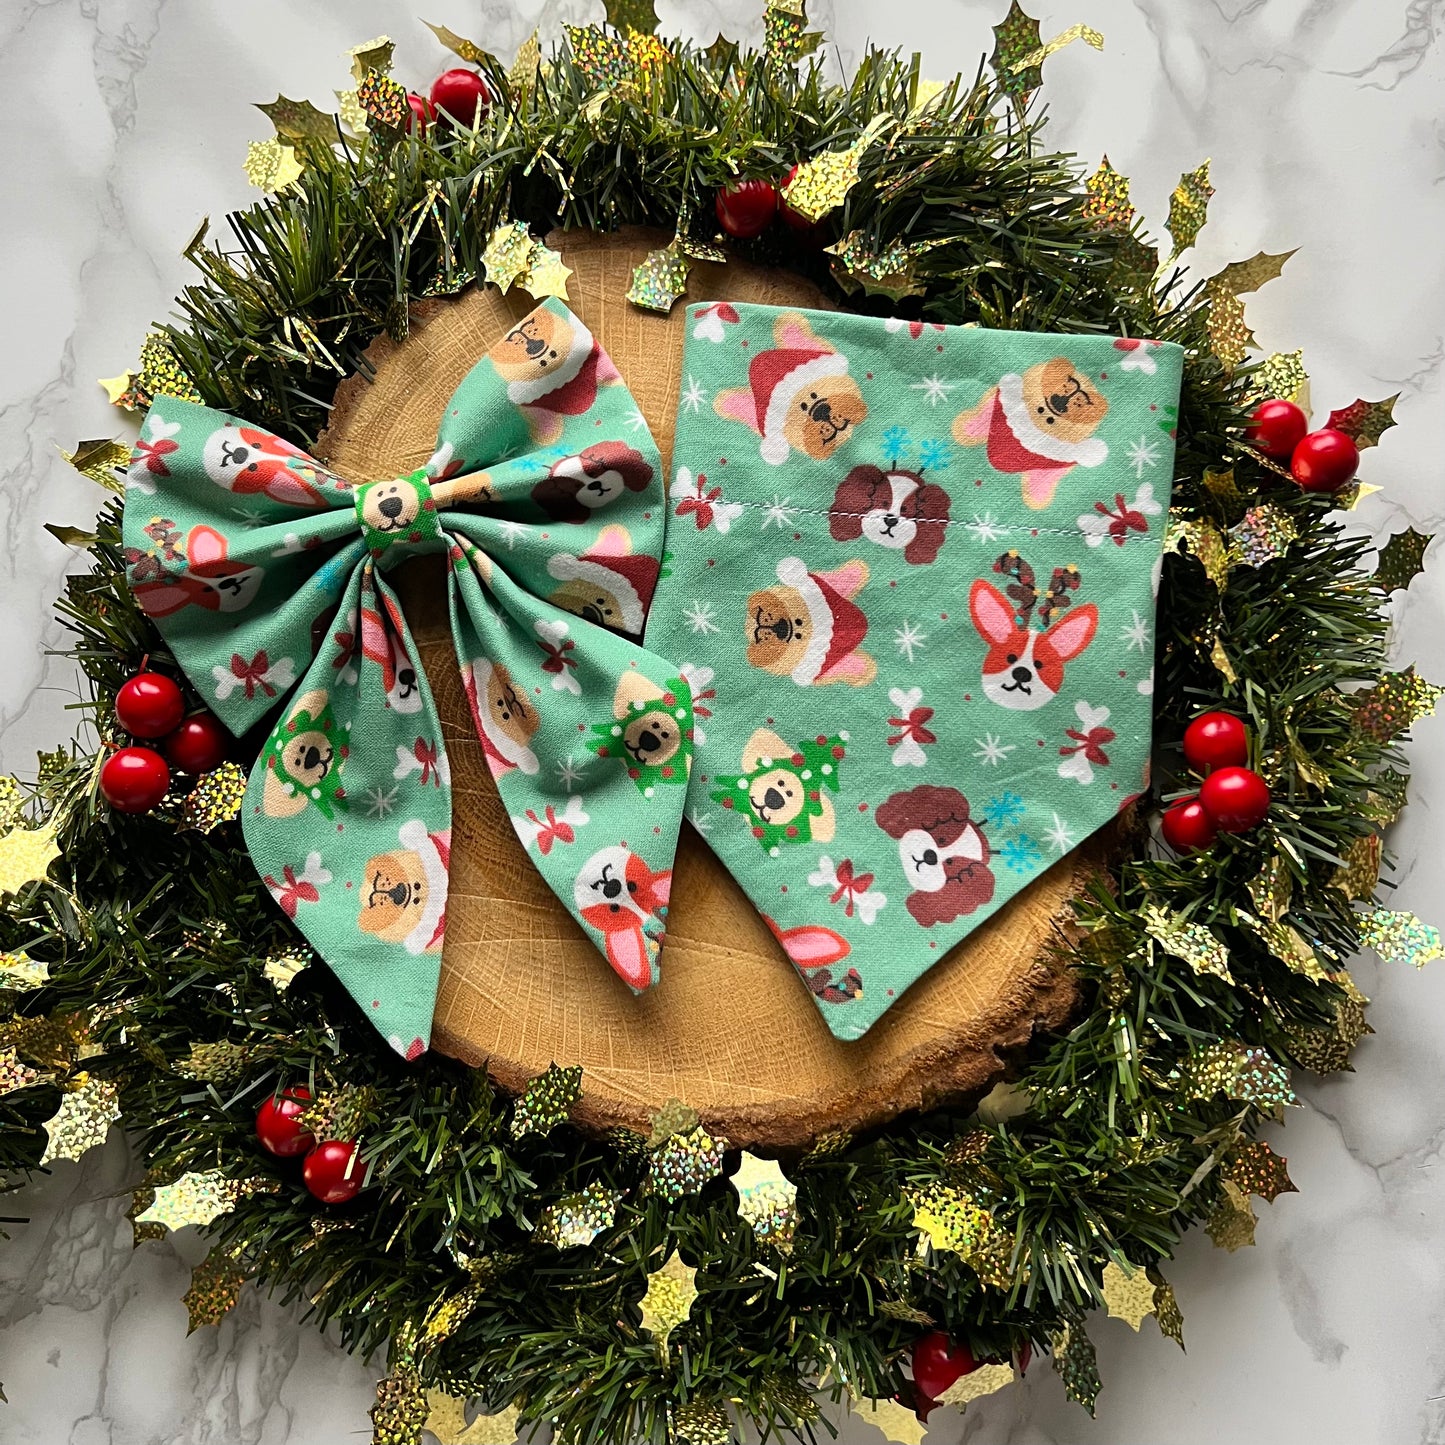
x=1128 y=1296
x=26 y=855
x=271 y=165
x=82 y=1121
x=668 y=1301
x=985 y=1380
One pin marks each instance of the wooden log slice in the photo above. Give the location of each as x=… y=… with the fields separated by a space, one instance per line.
x=731 y=1029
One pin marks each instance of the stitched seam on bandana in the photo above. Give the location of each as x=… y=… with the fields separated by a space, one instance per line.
x=1001 y=528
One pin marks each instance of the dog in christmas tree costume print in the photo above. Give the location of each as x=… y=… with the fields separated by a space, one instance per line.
x=916 y=566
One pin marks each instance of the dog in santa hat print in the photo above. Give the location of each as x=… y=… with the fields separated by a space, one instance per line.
x=506 y=721
x=404 y=892
x=577 y=486
x=553 y=367
x=1038 y=426
x=808 y=627
x=799 y=395
x=608 y=584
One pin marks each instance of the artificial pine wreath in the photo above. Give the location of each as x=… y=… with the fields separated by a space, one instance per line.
x=627 y=1288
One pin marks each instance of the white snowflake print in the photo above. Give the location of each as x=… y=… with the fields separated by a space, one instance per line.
x=991 y=752
x=850 y=888
x=701 y=823
x=548 y=828
x=1085 y=750
x=699 y=617
x=260 y=674
x=779 y=514
x=379 y=802
x=934 y=389
x=1059 y=838
x=428 y=759
x=511 y=531
x=913 y=733
x=1121 y=521
x=570 y=771
x=908 y=638
x=1142 y=453
x=985 y=528
x=694 y=396
x=636 y=420
x=1136 y=634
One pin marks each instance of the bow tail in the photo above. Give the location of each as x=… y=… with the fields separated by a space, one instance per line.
x=589 y=738
x=348 y=815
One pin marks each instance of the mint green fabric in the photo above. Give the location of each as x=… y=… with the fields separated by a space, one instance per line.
x=910 y=578
x=265 y=573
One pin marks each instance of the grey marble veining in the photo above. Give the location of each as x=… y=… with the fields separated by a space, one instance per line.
x=129 y=121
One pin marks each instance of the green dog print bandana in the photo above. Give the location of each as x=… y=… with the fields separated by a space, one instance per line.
x=266 y=574
x=911 y=579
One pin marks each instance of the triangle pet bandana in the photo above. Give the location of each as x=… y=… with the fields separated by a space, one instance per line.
x=911 y=583
x=265 y=573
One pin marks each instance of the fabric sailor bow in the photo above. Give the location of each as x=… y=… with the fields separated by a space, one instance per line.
x=264 y=571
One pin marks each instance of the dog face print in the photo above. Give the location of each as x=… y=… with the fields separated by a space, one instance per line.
x=625 y=901
x=1039 y=426
x=247 y=460
x=608 y=584
x=782 y=791
x=650 y=732
x=391 y=506
x=943 y=854
x=799 y=395
x=1023 y=668
x=504 y=716
x=808 y=627
x=210 y=579
x=897 y=510
x=403 y=892
x=304 y=758
x=532 y=348
x=578 y=485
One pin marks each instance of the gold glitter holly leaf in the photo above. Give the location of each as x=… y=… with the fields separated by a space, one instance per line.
x=371 y=56
x=1365 y=421
x=446 y=1418
x=1003 y=1102
x=821 y=184
x=1397 y=701
x=1108 y=206
x=522 y=73
x=117 y=389
x=1231 y=1223
x=460 y=46
x=1257 y=1169
x=897 y=1422
x=221 y=1062
x=54 y=1042
x=546 y=1101
x=1128 y=1295
x=1359 y=872
x=674 y=1117
x=271 y=165
x=604 y=60
x=578 y=1219
x=1206 y=545
x=1189 y=208
x=1167 y=1314
x=1402 y=559
x=1271 y=889
x=638 y=15
x=1238 y=1071
x=767 y=1200
x=72 y=536
x=1281 y=374
x=352 y=112
x=1288 y=945
x=1015 y=38
x=890 y=272
x=1262 y=535
x=684 y=1163
x=1075 y=1362
x=161 y=374
x=26 y=855
x=668 y=1301
x=194 y=1198
x=215 y=799
x=280 y=969
x=701 y=1422
x=19 y=973
x=1220 y=483
x=83 y=1120
x=546 y=275
x=896 y=1309
x=985 y=1380
x=1241 y=277
x=507 y=254
x=383 y=100
x=1229 y=336
x=99 y=460
x=298 y=121
x=15 y=1075
x=1186 y=940
x=1400 y=937
x=1327 y=1050
x=12 y=800
x=660 y=279
x=400 y=1409
x=215 y=1286
x=786 y=37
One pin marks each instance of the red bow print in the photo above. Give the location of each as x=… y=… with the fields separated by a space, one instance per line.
x=1091 y=744
x=557 y=656
x=1123 y=519
x=912 y=727
x=155 y=453
x=701 y=504
x=850 y=885
x=293 y=891
x=253 y=674
x=550 y=829
x=426 y=755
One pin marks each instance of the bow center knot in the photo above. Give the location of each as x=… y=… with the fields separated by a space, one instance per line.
x=400 y=513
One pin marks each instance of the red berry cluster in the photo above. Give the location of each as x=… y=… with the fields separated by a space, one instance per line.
x=746 y=209
x=1232 y=798
x=939 y=1361
x=1320 y=461
x=151 y=706
x=460 y=95
x=332 y=1170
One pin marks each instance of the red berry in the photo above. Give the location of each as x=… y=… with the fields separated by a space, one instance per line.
x=277 y=1127
x=422 y=113
x=462 y=95
x=1216 y=740
x=149 y=705
x=746 y=208
x=1236 y=798
x=134 y=780
x=938 y=1362
x=1187 y=827
x=333 y=1171
x=1325 y=460
x=1276 y=428
x=198 y=745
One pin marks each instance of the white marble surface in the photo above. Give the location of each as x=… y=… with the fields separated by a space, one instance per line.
x=128 y=122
